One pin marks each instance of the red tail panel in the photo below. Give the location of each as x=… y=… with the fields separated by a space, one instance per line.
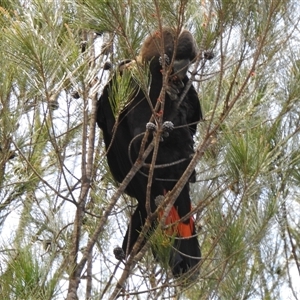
x=179 y=228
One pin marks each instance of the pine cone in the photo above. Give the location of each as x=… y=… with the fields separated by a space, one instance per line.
x=119 y=253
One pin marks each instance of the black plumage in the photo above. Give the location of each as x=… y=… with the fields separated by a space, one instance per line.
x=123 y=134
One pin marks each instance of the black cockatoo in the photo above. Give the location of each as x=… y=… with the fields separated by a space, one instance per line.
x=123 y=131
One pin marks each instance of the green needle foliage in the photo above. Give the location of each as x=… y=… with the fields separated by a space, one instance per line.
x=25 y=277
